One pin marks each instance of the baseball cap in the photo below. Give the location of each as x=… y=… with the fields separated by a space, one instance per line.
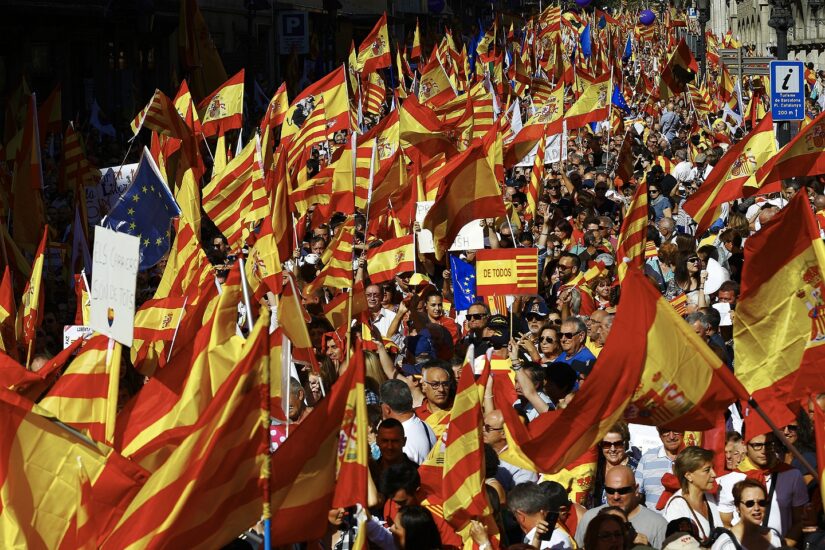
x=680 y=541
x=606 y=259
x=536 y=306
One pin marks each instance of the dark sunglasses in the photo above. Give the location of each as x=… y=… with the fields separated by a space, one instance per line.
x=619 y=491
x=693 y=260
x=476 y=316
x=556 y=322
x=548 y=339
x=568 y=335
x=760 y=446
x=762 y=502
x=533 y=317
x=792 y=428
x=612 y=444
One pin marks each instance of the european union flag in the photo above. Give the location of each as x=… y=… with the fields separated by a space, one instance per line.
x=628 y=49
x=464 y=283
x=587 y=42
x=619 y=101
x=145 y=210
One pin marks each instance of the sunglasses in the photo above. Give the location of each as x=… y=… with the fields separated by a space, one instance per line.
x=548 y=339
x=476 y=316
x=612 y=444
x=619 y=490
x=760 y=446
x=762 y=502
x=791 y=428
x=693 y=260
x=533 y=317
x=569 y=335
x=556 y=322
x=653 y=192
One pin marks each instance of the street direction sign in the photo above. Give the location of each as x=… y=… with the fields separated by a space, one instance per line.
x=787 y=90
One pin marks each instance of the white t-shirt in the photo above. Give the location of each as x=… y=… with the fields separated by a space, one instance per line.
x=677 y=507
x=559 y=540
x=420 y=439
x=383 y=322
x=790 y=492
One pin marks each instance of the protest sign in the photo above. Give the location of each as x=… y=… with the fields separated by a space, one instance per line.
x=114 y=276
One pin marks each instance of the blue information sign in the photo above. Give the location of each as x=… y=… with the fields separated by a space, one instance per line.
x=787 y=90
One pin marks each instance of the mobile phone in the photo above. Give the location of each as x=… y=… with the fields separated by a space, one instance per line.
x=551 y=518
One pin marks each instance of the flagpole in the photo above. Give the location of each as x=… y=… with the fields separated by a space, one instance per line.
x=266 y=468
x=175 y=335
x=245 y=288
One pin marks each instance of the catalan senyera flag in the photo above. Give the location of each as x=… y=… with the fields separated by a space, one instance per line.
x=229 y=199
x=467 y=191
x=302 y=492
x=728 y=178
x=333 y=88
x=392 y=257
x=680 y=69
x=156 y=323
x=684 y=385
x=30 y=312
x=779 y=326
x=374 y=93
x=536 y=179
x=161 y=116
x=507 y=271
x=76 y=171
x=39 y=491
x=195 y=475
x=8 y=315
x=337 y=259
x=374 y=51
x=222 y=110
x=630 y=246
x=802 y=156
x=85 y=396
x=27 y=184
x=462 y=484
x=353 y=450
x=593 y=105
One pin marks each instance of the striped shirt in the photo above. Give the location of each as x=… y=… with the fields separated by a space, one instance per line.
x=653 y=465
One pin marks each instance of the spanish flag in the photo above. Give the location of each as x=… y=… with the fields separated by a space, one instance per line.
x=27 y=185
x=779 y=328
x=593 y=105
x=274 y=117
x=222 y=110
x=85 y=396
x=727 y=180
x=333 y=88
x=8 y=315
x=681 y=68
x=353 y=450
x=293 y=318
x=467 y=191
x=50 y=114
x=804 y=155
x=434 y=86
x=415 y=51
x=374 y=51
x=302 y=491
x=30 y=313
x=392 y=257
x=39 y=491
x=630 y=246
x=578 y=477
x=185 y=106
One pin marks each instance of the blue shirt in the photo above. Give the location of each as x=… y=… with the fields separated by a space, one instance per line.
x=654 y=464
x=582 y=362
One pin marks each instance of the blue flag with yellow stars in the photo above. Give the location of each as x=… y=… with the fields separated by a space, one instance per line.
x=145 y=210
x=464 y=283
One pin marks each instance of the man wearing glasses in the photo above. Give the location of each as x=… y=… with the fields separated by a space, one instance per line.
x=623 y=492
x=573 y=335
x=786 y=488
x=439 y=393
x=509 y=475
x=657 y=462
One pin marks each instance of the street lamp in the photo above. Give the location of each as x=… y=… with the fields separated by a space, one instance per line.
x=703 y=9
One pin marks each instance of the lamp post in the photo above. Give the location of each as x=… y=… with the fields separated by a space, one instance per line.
x=703 y=9
x=781 y=20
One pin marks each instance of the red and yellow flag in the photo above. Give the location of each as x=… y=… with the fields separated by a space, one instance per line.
x=85 y=396
x=337 y=260
x=222 y=110
x=467 y=191
x=197 y=51
x=630 y=246
x=27 y=184
x=415 y=51
x=30 y=313
x=50 y=114
x=507 y=271
x=353 y=450
x=156 y=324
x=8 y=315
x=779 y=353
x=185 y=106
x=374 y=51
x=680 y=69
x=303 y=489
x=333 y=88
x=434 y=87
x=728 y=179
x=392 y=257
x=593 y=105
x=76 y=171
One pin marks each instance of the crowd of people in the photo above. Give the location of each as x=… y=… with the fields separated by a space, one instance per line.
x=649 y=486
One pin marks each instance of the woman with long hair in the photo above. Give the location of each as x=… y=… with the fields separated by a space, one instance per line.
x=564 y=232
x=688 y=279
x=614 y=450
x=694 y=471
x=549 y=344
x=603 y=294
x=415 y=529
x=751 y=500
x=606 y=532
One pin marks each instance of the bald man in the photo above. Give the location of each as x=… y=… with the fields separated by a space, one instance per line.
x=623 y=492
x=819 y=208
x=507 y=474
